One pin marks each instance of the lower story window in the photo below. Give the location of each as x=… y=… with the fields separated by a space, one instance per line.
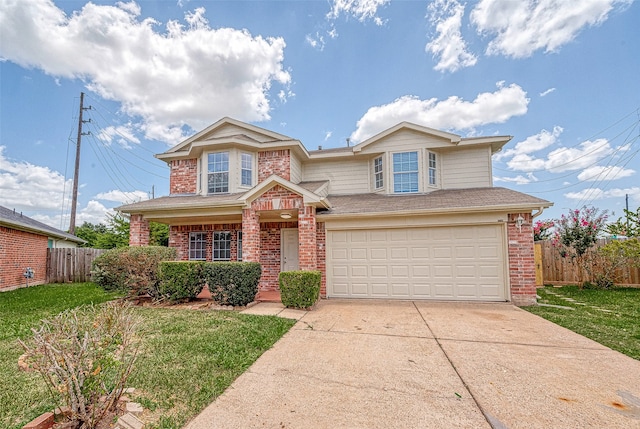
x=239 y=245
x=221 y=246
x=197 y=246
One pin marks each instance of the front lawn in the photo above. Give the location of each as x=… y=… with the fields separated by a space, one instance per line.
x=610 y=317
x=189 y=356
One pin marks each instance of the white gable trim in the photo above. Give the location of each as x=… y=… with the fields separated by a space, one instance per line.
x=453 y=138
x=308 y=197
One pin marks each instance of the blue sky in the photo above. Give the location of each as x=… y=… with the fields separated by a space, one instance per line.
x=560 y=77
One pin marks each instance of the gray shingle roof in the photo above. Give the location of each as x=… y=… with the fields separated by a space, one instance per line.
x=17 y=220
x=442 y=200
x=181 y=201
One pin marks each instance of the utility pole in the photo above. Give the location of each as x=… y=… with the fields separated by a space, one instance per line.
x=74 y=197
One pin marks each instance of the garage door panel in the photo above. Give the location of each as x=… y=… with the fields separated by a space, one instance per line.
x=453 y=263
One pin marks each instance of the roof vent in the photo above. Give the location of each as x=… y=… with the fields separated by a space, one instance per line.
x=320 y=147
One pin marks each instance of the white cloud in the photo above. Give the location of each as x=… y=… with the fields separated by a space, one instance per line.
x=362 y=10
x=518 y=180
x=327 y=135
x=582 y=156
x=522 y=27
x=173 y=79
x=94 y=213
x=600 y=173
x=600 y=194
x=28 y=187
x=547 y=92
x=448 y=45
x=123 y=197
x=453 y=113
x=121 y=134
x=531 y=144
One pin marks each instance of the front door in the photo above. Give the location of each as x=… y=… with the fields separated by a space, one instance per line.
x=289 y=249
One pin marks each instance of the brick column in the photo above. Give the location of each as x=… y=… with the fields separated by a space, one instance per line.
x=307 y=250
x=522 y=271
x=321 y=241
x=138 y=231
x=250 y=236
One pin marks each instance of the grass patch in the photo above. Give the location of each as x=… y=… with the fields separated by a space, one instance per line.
x=609 y=317
x=24 y=396
x=189 y=357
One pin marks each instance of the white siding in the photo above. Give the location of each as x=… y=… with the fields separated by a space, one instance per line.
x=296 y=169
x=405 y=140
x=465 y=168
x=346 y=177
x=229 y=130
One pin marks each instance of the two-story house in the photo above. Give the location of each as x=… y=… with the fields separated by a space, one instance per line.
x=410 y=213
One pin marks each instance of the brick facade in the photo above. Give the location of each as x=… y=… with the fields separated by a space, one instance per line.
x=19 y=250
x=308 y=251
x=276 y=162
x=522 y=271
x=179 y=238
x=138 y=231
x=321 y=243
x=183 y=178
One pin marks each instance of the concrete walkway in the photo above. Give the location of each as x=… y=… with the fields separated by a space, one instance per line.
x=401 y=364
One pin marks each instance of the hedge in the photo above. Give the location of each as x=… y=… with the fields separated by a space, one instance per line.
x=233 y=283
x=132 y=270
x=299 y=289
x=179 y=280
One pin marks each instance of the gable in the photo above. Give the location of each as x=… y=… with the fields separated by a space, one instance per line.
x=405 y=139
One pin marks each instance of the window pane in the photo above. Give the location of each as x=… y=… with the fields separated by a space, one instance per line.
x=405 y=172
x=377 y=171
x=221 y=246
x=218 y=168
x=197 y=246
x=239 y=245
x=247 y=169
x=432 y=168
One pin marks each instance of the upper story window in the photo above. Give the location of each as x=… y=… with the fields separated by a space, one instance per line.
x=218 y=173
x=197 y=246
x=246 y=170
x=378 y=177
x=433 y=169
x=405 y=172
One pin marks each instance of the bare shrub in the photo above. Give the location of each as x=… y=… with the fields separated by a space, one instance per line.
x=85 y=356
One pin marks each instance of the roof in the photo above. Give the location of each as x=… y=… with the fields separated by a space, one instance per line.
x=448 y=200
x=17 y=220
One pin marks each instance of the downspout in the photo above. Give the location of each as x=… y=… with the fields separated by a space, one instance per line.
x=539 y=212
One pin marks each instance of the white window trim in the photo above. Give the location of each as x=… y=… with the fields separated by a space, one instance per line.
x=375 y=173
x=204 y=234
x=393 y=173
x=229 y=167
x=254 y=168
x=436 y=169
x=213 y=242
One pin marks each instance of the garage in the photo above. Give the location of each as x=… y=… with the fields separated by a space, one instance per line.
x=463 y=262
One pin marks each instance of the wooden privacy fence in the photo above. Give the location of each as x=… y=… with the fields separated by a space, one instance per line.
x=551 y=268
x=70 y=265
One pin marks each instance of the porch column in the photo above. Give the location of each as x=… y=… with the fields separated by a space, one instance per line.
x=138 y=230
x=250 y=236
x=522 y=270
x=307 y=251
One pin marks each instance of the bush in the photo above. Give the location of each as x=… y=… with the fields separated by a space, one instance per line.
x=299 y=289
x=233 y=283
x=85 y=357
x=179 y=281
x=132 y=270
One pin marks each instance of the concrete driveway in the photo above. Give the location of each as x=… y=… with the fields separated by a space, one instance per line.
x=402 y=364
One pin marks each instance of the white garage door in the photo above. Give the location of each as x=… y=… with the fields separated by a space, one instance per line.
x=449 y=263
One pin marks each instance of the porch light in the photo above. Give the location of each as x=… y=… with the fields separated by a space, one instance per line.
x=285 y=215
x=519 y=222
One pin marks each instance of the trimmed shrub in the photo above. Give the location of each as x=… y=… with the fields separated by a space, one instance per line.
x=233 y=283
x=179 y=280
x=132 y=270
x=299 y=289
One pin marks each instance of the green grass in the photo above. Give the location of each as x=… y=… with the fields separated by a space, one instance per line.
x=618 y=328
x=189 y=357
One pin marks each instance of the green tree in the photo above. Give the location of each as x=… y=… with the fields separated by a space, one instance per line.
x=90 y=233
x=159 y=234
x=628 y=226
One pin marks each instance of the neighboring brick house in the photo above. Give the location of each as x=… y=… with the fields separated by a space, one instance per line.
x=410 y=213
x=23 y=244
